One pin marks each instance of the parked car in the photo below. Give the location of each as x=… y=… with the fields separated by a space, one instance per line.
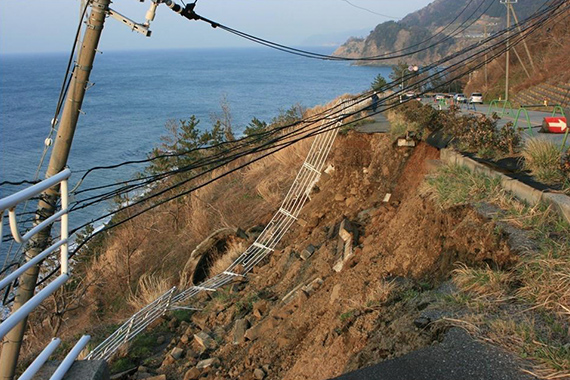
x=460 y=98
x=476 y=97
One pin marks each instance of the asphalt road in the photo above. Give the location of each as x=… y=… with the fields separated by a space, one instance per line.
x=458 y=357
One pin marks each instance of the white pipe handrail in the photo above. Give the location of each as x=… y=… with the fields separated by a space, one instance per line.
x=21 y=196
x=10 y=203
x=70 y=358
x=24 y=239
x=18 y=272
x=32 y=303
x=40 y=360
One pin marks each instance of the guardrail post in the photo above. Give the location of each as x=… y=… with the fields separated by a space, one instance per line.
x=558 y=107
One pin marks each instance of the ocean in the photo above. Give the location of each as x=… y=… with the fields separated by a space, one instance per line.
x=134 y=94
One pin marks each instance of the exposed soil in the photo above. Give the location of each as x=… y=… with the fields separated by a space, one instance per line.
x=366 y=313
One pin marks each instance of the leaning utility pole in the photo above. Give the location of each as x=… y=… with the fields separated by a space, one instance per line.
x=508 y=5
x=486 y=59
x=58 y=160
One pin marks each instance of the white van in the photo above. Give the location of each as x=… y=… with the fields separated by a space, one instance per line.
x=476 y=97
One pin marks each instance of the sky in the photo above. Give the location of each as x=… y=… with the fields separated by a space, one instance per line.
x=39 y=26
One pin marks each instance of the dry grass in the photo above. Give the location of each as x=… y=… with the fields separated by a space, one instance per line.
x=542 y=158
x=149 y=289
x=547 y=283
x=234 y=249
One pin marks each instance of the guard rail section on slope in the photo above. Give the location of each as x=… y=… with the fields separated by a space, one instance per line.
x=298 y=195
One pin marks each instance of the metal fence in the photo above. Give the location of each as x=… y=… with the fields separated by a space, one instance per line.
x=298 y=194
x=9 y=204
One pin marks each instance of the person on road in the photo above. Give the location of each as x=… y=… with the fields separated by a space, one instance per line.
x=375 y=100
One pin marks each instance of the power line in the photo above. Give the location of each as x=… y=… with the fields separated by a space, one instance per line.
x=370 y=11
x=532 y=27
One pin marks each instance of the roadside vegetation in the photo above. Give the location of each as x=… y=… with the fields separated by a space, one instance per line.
x=467 y=133
x=524 y=308
x=546 y=162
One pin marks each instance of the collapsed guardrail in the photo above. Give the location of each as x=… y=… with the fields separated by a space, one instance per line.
x=287 y=214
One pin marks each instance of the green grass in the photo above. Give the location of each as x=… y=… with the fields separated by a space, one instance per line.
x=543 y=158
x=122 y=364
x=455 y=185
x=182 y=315
x=346 y=316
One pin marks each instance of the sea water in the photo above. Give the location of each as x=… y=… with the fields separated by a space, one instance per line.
x=132 y=95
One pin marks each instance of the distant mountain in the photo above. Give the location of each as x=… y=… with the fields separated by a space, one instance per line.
x=424 y=23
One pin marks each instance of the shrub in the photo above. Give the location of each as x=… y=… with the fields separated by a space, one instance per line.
x=542 y=158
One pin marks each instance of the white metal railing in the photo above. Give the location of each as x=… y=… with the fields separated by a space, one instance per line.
x=9 y=204
x=298 y=195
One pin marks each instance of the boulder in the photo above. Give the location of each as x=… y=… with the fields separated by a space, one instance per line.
x=211 y=362
x=176 y=353
x=205 y=340
x=240 y=327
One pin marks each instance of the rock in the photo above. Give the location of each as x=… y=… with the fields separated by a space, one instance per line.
x=200 y=319
x=335 y=293
x=142 y=376
x=240 y=327
x=259 y=374
x=168 y=360
x=159 y=377
x=205 y=340
x=422 y=322
x=142 y=368
x=312 y=286
x=308 y=252
x=406 y=142
x=350 y=201
x=260 y=329
x=176 y=353
x=192 y=374
x=346 y=230
x=339 y=198
x=160 y=340
x=208 y=363
x=260 y=308
x=173 y=324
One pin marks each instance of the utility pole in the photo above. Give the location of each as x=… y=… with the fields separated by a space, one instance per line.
x=486 y=71
x=58 y=160
x=512 y=9
x=507 y=68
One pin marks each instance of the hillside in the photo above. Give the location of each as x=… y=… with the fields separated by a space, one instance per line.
x=424 y=24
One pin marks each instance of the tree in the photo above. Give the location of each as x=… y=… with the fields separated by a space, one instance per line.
x=379 y=83
x=255 y=127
